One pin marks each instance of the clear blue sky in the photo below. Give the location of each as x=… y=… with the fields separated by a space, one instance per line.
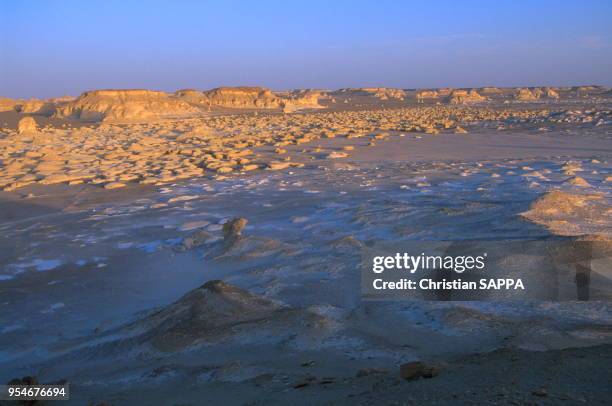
x=53 y=48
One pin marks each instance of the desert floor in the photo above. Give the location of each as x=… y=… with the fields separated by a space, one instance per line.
x=105 y=288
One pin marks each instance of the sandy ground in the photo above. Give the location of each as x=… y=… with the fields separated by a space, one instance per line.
x=572 y=376
x=83 y=271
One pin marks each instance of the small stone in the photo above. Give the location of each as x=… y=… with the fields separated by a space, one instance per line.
x=250 y=167
x=370 y=371
x=233 y=228
x=417 y=369
x=225 y=169
x=540 y=392
x=337 y=154
x=114 y=185
x=196 y=239
x=578 y=181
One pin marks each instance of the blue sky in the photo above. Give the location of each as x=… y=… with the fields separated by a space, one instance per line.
x=53 y=48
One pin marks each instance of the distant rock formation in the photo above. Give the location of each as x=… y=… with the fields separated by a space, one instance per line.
x=490 y=90
x=465 y=97
x=125 y=105
x=444 y=91
x=586 y=89
x=192 y=96
x=7 y=104
x=257 y=98
x=427 y=94
x=301 y=99
x=36 y=106
x=551 y=93
x=382 y=93
x=524 y=94
x=243 y=97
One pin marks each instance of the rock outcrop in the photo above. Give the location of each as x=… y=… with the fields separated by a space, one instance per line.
x=465 y=97
x=27 y=125
x=125 y=105
x=259 y=98
x=301 y=99
x=427 y=94
x=551 y=93
x=193 y=96
x=7 y=104
x=490 y=90
x=243 y=97
x=217 y=311
x=382 y=93
x=35 y=106
x=525 y=94
x=385 y=93
x=571 y=214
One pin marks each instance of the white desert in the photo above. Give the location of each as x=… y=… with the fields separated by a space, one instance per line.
x=195 y=216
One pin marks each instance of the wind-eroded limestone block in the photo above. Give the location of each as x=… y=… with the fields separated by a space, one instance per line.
x=125 y=105
x=571 y=214
x=465 y=97
x=261 y=98
x=27 y=125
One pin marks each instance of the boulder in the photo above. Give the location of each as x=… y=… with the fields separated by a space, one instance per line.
x=415 y=370
x=27 y=125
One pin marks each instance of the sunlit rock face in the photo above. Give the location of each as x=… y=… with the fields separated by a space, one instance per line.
x=7 y=104
x=571 y=214
x=382 y=93
x=260 y=98
x=465 y=97
x=527 y=95
x=27 y=125
x=36 y=106
x=120 y=105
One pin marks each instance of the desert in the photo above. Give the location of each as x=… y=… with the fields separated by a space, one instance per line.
x=306 y=203
x=249 y=200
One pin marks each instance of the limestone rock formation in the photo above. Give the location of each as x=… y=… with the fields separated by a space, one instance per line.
x=125 y=105
x=525 y=94
x=427 y=94
x=27 y=125
x=586 y=89
x=7 y=104
x=260 y=98
x=301 y=99
x=382 y=93
x=243 y=97
x=571 y=214
x=35 y=106
x=110 y=155
x=385 y=93
x=464 y=97
x=217 y=311
x=193 y=96
x=551 y=93
x=490 y=90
